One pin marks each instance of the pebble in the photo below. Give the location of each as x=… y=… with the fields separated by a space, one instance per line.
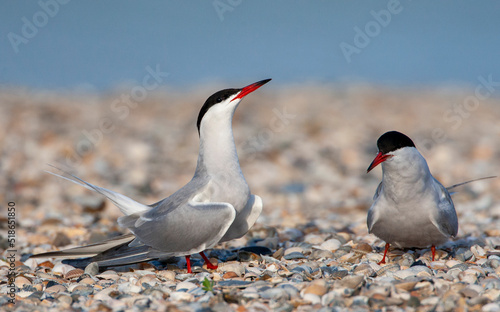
x=463 y=254
x=234 y=283
x=294 y=256
x=312 y=298
x=314 y=239
x=275 y=294
x=317 y=288
x=61 y=239
x=92 y=269
x=82 y=290
x=236 y=268
x=321 y=253
x=181 y=296
x=168 y=275
x=185 y=286
x=491 y=307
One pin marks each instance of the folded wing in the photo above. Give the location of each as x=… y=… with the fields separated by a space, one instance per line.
x=187 y=229
x=445 y=218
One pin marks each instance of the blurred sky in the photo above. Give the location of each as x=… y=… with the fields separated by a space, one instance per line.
x=98 y=45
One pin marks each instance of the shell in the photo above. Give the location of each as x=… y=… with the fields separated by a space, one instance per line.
x=168 y=275
x=391 y=267
x=351 y=281
x=373 y=257
x=364 y=269
x=318 y=288
x=46 y=264
x=478 y=251
x=460 y=266
x=406 y=286
x=331 y=245
x=62 y=269
x=109 y=275
x=74 y=274
x=21 y=281
x=334 y=272
x=55 y=289
x=418 y=270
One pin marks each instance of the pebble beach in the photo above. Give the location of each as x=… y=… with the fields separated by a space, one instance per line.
x=304 y=149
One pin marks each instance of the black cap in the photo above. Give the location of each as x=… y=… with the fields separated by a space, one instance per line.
x=215 y=98
x=393 y=140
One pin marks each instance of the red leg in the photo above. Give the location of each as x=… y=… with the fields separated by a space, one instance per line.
x=385 y=253
x=188 y=264
x=209 y=264
x=433 y=250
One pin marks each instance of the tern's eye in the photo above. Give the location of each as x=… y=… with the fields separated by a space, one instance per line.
x=219 y=99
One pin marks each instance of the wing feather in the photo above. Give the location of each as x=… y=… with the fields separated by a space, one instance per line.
x=245 y=219
x=372 y=215
x=190 y=228
x=445 y=219
x=89 y=250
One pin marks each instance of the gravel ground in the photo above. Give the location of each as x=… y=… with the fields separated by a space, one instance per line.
x=303 y=149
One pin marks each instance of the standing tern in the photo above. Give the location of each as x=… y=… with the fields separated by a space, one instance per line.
x=215 y=206
x=411 y=208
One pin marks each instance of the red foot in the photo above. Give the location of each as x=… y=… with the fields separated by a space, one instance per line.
x=188 y=264
x=209 y=264
x=433 y=250
x=385 y=253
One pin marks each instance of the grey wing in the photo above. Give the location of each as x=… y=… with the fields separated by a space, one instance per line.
x=445 y=218
x=190 y=228
x=245 y=219
x=371 y=218
x=377 y=192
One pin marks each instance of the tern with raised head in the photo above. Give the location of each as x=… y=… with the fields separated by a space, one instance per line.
x=215 y=206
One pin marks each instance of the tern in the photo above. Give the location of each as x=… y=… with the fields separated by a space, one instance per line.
x=215 y=206
x=411 y=209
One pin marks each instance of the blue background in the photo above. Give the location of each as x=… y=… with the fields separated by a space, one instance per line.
x=98 y=45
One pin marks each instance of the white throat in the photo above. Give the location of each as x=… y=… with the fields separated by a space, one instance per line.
x=217 y=154
x=405 y=173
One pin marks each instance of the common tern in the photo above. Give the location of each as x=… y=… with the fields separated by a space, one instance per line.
x=411 y=209
x=215 y=206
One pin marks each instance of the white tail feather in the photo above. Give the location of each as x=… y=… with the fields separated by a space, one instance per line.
x=126 y=205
